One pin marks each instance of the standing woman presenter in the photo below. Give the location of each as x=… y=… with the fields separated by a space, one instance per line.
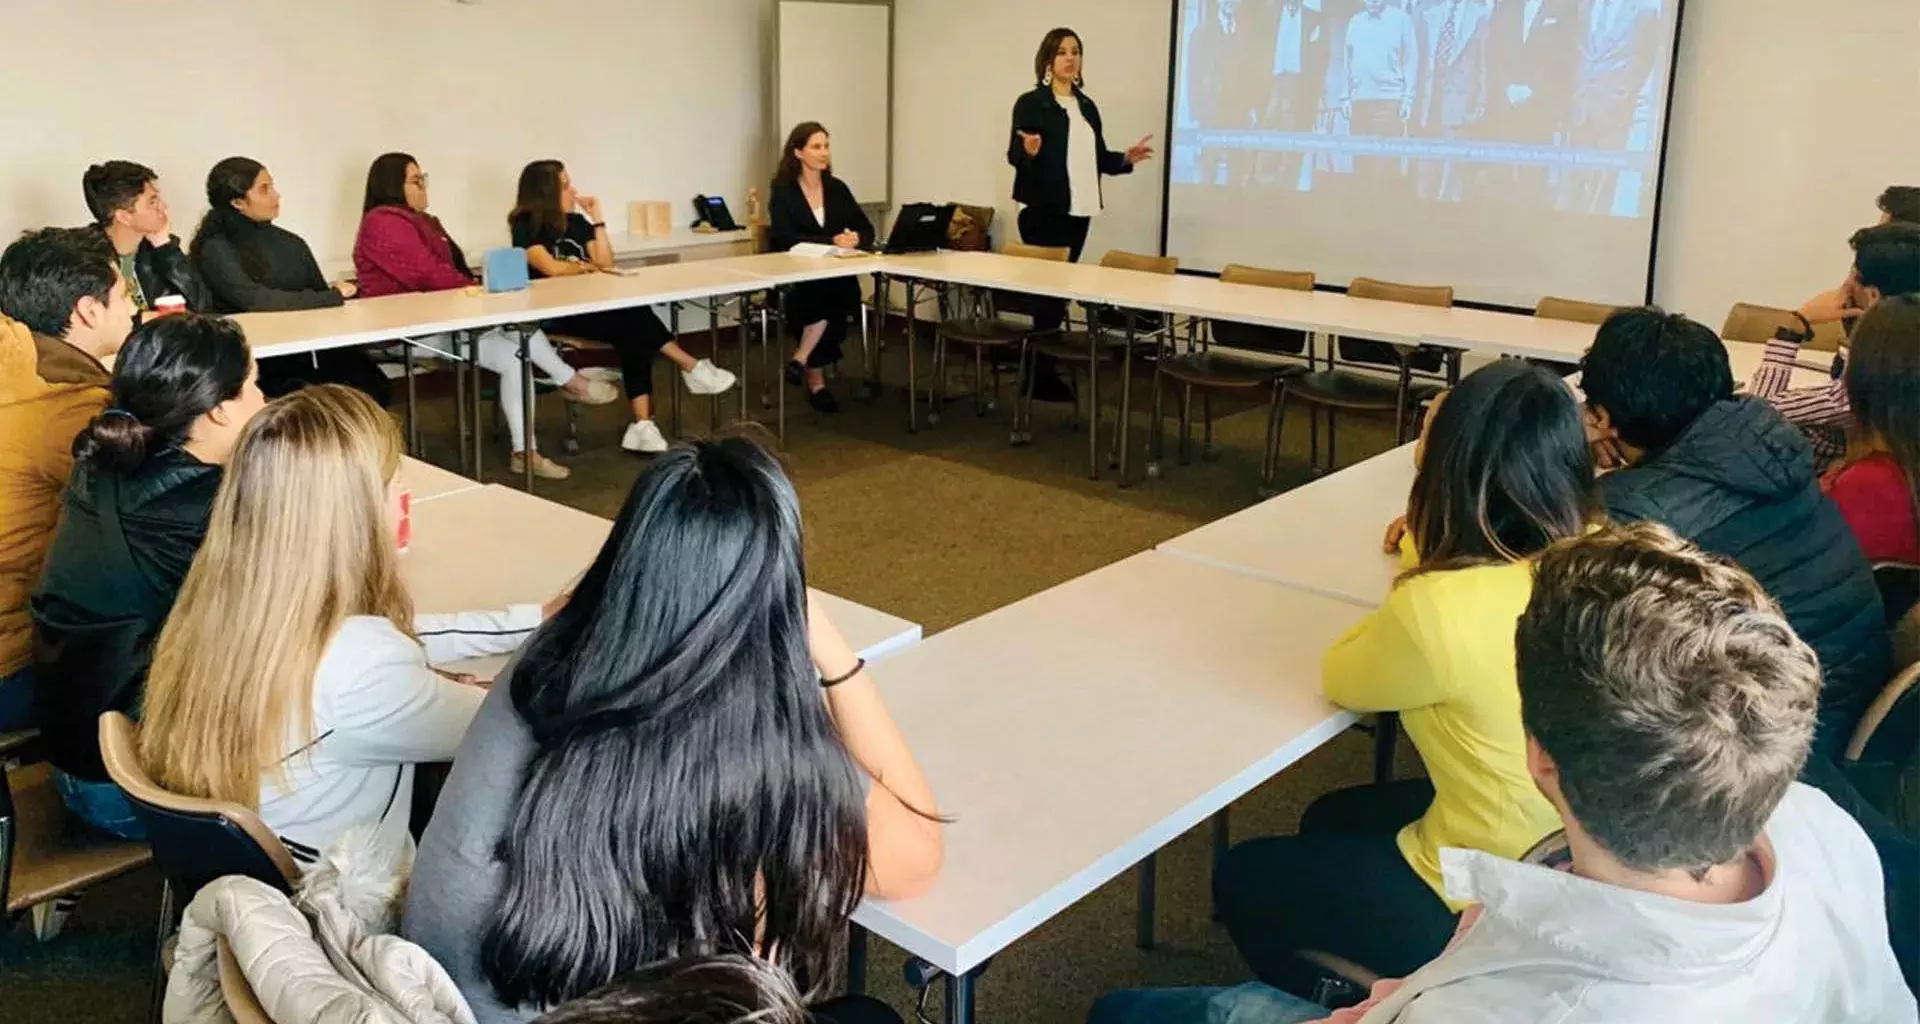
x=1058 y=152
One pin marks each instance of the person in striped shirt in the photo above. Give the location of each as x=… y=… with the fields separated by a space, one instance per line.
x=1886 y=262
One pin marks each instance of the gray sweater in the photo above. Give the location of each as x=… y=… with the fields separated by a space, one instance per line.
x=456 y=879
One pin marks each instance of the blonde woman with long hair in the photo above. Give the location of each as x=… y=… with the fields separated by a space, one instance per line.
x=293 y=675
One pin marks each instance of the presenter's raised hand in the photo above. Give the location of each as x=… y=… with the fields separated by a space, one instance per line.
x=1140 y=151
x=1030 y=141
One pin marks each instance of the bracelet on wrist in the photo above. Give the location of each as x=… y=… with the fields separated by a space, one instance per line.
x=859 y=665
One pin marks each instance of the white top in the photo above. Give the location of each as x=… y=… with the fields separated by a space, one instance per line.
x=1552 y=946
x=820 y=215
x=1083 y=161
x=377 y=710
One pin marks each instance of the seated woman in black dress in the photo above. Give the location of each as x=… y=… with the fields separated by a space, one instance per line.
x=252 y=265
x=563 y=243
x=809 y=204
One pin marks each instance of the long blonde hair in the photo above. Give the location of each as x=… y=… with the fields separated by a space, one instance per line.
x=299 y=540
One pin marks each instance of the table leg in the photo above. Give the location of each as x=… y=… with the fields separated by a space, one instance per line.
x=882 y=289
x=1122 y=431
x=913 y=400
x=673 y=327
x=1149 y=879
x=713 y=339
x=526 y=410
x=1222 y=842
x=960 y=999
x=779 y=383
x=460 y=408
x=413 y=405
x=1093 y=393
x=1386 y=735
x=473 y=377
x=856 y=960
x=742 y=383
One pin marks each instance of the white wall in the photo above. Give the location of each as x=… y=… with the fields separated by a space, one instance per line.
x=643 y=100
x=1789 y=118
x=960 y=64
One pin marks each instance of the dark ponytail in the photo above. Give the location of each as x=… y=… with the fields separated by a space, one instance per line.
x=171 y=372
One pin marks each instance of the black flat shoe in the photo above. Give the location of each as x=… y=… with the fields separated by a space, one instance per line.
x=823 y=401
x=796 y=373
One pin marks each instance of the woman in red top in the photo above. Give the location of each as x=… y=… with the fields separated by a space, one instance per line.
x=402 y=248
x=1876 y=489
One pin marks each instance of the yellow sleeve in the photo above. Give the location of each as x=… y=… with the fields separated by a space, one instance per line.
x=1381 y=665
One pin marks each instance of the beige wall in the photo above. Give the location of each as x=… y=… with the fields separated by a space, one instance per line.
x=1789 y=117
x=644 y=100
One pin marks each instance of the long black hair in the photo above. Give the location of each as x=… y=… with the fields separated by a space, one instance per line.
x=387 y=181
x=171 y=372
x=802 y=133
x=229 y=180
x=1506 y=471
x=1883 y=381
x=690 y=789
x=725 y=988
x=537 y=200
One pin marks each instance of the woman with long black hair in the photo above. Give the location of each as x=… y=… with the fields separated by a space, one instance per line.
x=1058 y=149
x=808 y=204
x=252 y=265
x=687 y=759
x=561 y=242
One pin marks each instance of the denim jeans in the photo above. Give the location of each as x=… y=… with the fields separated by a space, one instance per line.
x=16 y=701
x=1252 y=1003
x=100 y=804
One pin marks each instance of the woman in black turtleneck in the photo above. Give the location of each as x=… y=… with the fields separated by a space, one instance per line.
x=252 y=266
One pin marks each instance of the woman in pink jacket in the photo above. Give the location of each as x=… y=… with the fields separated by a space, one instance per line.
x=402 y=248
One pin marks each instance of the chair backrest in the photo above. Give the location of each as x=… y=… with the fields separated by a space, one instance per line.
x=1121 y=260
x=1292 y=280
x=44 y=852
x=194 y=841
x=1256 y=338
x=1756 y=324
x=1050 y=253
x=1894 y=713
x=1378 y=353
x=1899 y=589
x=1576 y=310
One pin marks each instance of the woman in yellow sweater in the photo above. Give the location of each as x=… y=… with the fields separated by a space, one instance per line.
x=1504 y=471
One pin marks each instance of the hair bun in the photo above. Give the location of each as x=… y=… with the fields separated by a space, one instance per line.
x=116 y=441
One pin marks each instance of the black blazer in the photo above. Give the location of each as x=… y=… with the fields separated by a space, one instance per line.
x=790 y=219
x=1041 y=181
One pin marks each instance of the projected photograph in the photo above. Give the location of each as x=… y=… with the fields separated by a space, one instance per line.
x=1547 y=105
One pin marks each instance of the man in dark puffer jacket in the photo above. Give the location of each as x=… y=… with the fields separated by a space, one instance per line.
x=1730 y=474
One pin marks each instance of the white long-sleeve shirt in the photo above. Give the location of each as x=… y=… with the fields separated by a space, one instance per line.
x=378 y=709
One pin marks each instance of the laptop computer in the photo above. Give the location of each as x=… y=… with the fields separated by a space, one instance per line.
x=919 y=227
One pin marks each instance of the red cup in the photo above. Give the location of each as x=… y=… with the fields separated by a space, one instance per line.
x=169 y=305
x=403 y=525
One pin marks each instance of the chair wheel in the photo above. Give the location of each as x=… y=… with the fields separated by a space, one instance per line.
x=766 y=400
x=1209 y=453
x=868 y=389
x=990 y=406
x=1152 y=470
x=933 y=418
x=1113 y=462
x=571 y=446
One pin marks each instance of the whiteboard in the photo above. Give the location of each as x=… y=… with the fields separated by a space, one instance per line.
x=835 y=60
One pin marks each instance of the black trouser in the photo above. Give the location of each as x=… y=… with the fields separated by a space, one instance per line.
x=635 y=332
x=283 y=375
x=853 y=1010
x=835 y=302
x=1055 y=231
x=1340 y=887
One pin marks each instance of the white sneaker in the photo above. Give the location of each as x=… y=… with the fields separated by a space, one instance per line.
x=706 y=378
x=643 y=436
x=597 y=392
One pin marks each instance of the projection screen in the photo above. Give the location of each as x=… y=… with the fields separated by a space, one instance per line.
x=1510 y=148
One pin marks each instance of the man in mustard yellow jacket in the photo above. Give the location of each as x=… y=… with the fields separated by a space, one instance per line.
x=64 y=313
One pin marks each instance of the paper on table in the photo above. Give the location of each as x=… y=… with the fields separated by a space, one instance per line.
x=820 y=249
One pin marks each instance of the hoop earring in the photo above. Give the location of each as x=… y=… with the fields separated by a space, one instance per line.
x=1078 y=81
x=1047 y=79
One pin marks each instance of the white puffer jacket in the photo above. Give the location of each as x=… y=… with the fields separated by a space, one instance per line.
x=327 y=956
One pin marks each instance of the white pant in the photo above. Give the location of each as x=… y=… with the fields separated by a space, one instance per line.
x=500 y=352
